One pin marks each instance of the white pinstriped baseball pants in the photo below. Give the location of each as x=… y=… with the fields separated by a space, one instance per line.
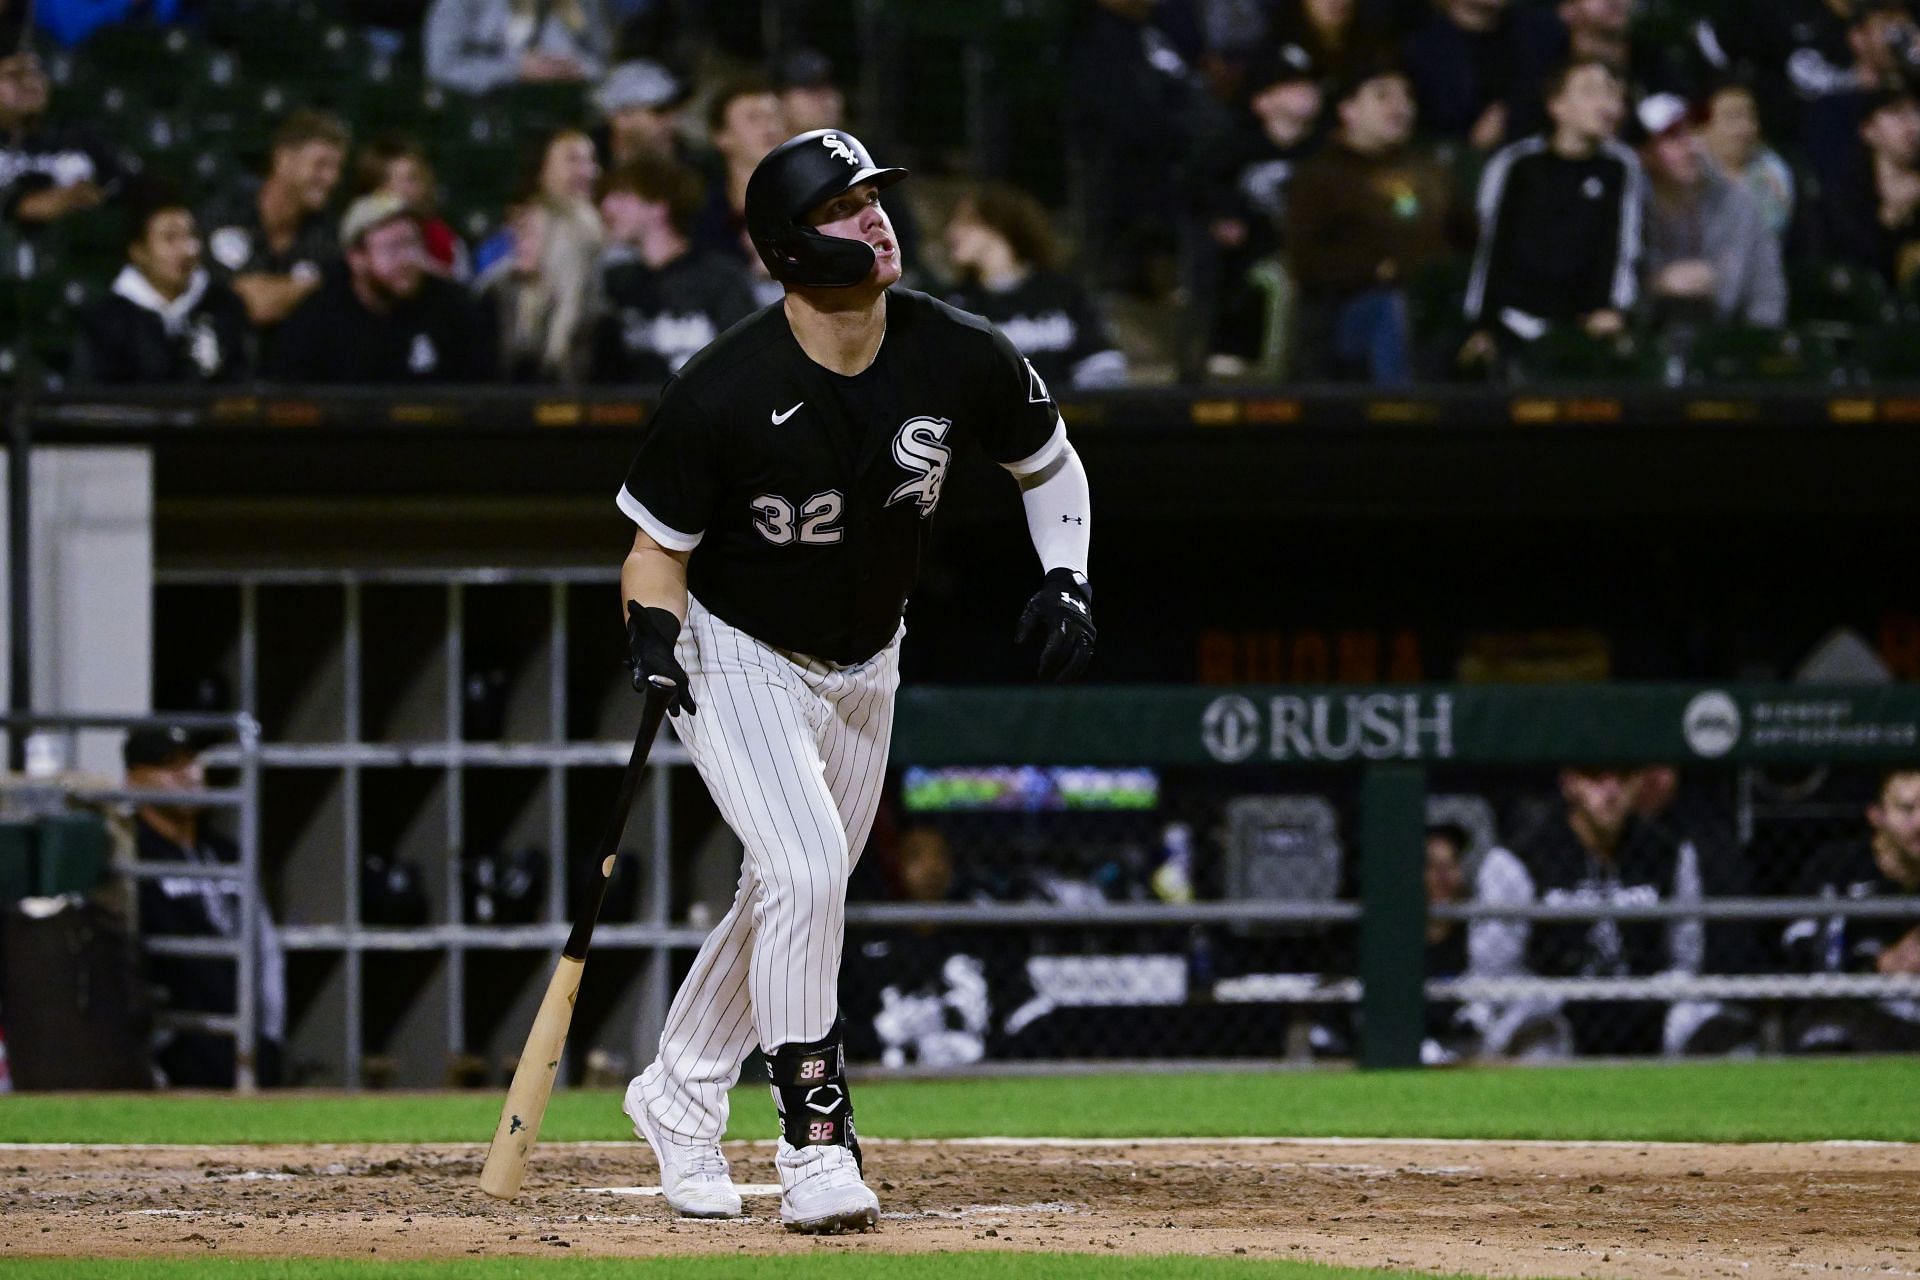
x=794 y=751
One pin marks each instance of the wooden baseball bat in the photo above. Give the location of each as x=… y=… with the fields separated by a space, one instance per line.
x=533 y=1078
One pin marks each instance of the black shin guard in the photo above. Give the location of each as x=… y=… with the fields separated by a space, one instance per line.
x=809 y=1084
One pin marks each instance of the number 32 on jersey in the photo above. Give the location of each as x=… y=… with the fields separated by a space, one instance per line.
x=919 y=447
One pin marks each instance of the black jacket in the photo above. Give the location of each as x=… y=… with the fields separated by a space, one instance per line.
x=1559 y=238
x=439 y=335
x=124 y=339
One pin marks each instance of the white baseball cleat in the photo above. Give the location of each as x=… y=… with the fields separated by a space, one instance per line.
x=821 y=1192
x=694 y=1177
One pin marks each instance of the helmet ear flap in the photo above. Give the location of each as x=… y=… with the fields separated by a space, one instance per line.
x=821 y=261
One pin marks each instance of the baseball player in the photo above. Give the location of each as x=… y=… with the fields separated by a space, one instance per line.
x=783 y=493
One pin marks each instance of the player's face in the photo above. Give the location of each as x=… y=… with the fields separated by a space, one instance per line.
x=1897 y=817
x=1602 y=798
x=391 y=258
x=1443 y=871
x=170 y=253
x=857 y=215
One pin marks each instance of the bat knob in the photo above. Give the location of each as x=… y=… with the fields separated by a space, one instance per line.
x=666 y=684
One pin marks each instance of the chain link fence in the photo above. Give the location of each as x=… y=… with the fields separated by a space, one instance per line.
x=1626 y=909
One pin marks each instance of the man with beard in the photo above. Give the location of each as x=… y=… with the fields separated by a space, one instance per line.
x=166 y=320
x=1596 y=852
x=664 y=299
x=386 y=320
x=1886 y=863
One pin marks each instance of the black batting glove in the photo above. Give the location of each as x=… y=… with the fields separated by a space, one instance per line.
x=650 y=637
x=1061 y=613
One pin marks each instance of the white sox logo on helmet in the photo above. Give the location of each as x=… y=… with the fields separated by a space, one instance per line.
x=833 y=143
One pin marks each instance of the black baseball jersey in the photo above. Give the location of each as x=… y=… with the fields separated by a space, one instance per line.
x=1840 y=944
x=658 y=319
x=804 y=495
x=1053 y=322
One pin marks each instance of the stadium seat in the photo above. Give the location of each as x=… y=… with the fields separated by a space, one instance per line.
x=1571 y=355
x=1891 y=352
x=1766 y=355
x=1838 y=298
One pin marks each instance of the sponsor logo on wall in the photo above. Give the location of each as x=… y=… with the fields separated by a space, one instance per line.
x=1329 y=727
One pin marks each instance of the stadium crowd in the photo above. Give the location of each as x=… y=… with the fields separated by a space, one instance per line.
x=1386 y=191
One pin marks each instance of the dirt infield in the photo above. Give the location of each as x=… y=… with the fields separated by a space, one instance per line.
x=1486 y=1208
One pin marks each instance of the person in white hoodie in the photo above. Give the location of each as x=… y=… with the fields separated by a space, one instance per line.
x=166 y=320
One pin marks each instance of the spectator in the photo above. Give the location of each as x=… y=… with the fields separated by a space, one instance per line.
x=1365 y=214
x=809 y=93
x=478 y=46
x=545 y=293
x=1489 y=948
x=1248 y=214
x=1731 y=136
x=47 y=172
x=166 y=320
x=1884 y=864
x=396 y=165
x=386 y=320
x=1136 y=115
x=1710 y=256
x=642 y=103
x=1559 y=221
x=1474 y=63
x=1002 y=245
x=1330 y=36
x=1599 y=31
x=70 y=22
x=182 y=906
x=1874 y=220
x=270 y=242
x=1596 y=852
x=664 y=299
x=744 y=122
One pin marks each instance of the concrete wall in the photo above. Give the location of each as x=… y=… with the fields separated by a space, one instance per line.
x=92 y=588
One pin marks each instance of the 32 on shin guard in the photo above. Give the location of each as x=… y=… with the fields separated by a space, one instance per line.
x=809 y=1083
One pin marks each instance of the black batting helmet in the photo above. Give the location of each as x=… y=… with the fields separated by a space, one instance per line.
x=797 y=176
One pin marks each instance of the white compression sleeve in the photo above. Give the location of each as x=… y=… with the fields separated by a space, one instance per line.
x=1059 y=512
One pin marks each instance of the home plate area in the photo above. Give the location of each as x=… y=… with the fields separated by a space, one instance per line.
x=1507 y=1209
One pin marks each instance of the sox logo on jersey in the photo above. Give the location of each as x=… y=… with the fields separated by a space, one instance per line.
x=918 y=448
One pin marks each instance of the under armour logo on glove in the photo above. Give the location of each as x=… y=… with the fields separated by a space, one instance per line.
x=1061 y=611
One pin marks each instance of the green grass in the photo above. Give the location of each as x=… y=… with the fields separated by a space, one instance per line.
x=1716 y=1102
x=840 y=1265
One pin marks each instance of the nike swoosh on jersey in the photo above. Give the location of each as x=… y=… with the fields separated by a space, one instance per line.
x=779 y=418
